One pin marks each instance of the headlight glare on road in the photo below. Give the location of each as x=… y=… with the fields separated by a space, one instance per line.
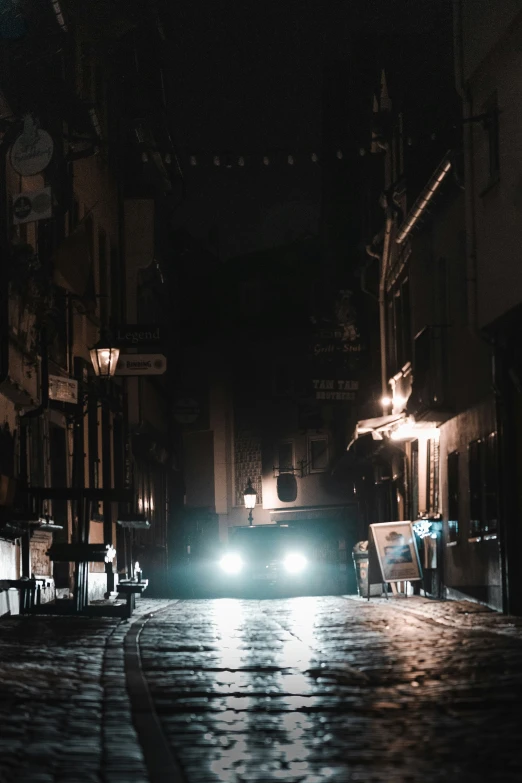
x=231 y=563
x=295 y=563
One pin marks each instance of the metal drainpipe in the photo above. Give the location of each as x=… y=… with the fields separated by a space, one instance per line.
x=44 y=380
x=382 y=299
x=469 y=174
x=5 y=249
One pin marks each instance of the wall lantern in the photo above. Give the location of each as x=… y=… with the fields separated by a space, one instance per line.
x=250 y=496
x=104 y=356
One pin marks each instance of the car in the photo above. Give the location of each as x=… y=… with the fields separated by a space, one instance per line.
x=261 y=559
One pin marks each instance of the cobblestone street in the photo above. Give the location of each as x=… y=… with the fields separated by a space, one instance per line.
x=302 y=690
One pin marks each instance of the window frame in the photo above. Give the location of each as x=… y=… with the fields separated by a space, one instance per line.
x=316 y=439
x=453 y=497
x=285 y=469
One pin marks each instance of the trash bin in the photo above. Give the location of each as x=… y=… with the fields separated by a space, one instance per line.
x=360 y=562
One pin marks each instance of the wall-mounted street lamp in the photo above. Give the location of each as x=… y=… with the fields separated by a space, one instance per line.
x=250 y=496
x=104 y=356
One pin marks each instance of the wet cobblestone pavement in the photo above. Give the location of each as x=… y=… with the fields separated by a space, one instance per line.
x=309 y=690
x=64 y=710
x=301 y=690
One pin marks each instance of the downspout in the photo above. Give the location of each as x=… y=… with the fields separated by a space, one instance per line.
x=382 y=298
x=5 y=249
x=44 y=380
x=469 y=174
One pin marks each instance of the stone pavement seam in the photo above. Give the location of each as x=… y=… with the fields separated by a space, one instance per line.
x=161 y=763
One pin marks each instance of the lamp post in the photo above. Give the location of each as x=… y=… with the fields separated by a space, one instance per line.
x=250 y=496
x=104 y=356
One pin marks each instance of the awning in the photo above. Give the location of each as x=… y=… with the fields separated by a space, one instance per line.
x=378 y=425
x=397 y=427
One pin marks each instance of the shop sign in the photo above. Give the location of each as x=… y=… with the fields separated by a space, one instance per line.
x=63 y=389
x=30 y=207
x=186 y=410
x=335 y=390
x=137 y=334
x=141 y=364
x=32 y=151
x=393 y=555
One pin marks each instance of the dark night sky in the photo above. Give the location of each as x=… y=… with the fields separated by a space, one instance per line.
x=247 y=78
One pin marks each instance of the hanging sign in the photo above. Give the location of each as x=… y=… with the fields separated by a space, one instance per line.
x=141 y=364
x=32 y=151
x=393 y=555
x=30 y=207
x=63 y=389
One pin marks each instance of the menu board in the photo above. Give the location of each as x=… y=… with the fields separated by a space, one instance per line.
x=393 y=552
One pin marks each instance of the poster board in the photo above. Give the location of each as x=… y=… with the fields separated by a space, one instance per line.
x=393 y=555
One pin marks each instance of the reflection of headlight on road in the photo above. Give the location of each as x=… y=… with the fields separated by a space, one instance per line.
x=231 y=563
x=295 y=563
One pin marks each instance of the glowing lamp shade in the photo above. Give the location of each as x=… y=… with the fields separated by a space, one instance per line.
x=104 y=358
x=250 y=495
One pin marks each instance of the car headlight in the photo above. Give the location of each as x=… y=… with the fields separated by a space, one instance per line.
x=231 y=563
x=295 y=563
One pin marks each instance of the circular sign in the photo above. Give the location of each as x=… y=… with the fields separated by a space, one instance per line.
x=22 y=207
x=186 y=410
x=32 y=152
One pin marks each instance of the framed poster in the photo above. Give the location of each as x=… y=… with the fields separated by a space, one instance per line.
x=396 y=549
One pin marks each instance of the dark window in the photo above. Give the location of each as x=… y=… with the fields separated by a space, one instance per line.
x=116 y=300
x=285 y=457
x=104 y=277
x=492 y=138
x=476 y=488
x=491 y=485
x=86 y=65
x=392 y=345
x=399 y=328
x=398 y=314
x=90 y=292
x=415 y=479
x=318 y=454
x=74 y=215
x=453 y=496
x=406 y=321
